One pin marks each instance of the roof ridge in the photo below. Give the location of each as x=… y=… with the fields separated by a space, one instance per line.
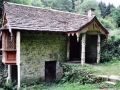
x=46 y=9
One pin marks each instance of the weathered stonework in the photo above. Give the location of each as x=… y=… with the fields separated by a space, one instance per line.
x=35 y=49
x=59 y=71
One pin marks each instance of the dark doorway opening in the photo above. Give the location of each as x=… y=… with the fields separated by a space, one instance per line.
x=91 y=49
x=75 y=48
x=14 y=74
x=50 y=71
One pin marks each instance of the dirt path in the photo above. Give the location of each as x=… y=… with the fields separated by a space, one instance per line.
x=95 y=66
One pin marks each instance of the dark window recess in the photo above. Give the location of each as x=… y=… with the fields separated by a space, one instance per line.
x=75 y=48
x=50 y=71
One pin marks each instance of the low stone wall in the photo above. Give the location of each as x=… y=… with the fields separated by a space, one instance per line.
x=38 y=48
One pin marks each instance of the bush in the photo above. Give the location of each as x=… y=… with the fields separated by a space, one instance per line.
x=9 y=85
x=3 y=73
x=74 y=74
x=110 y=50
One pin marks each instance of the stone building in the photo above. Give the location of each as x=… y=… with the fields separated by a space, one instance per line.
x=36 y=40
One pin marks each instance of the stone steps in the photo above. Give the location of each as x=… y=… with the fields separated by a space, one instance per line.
x=109 y=82
x=112 y=79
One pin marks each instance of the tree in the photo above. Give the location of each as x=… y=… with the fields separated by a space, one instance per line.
x=64 y=5
x=105 y=10
x=115 y=14
x=81 y=7
x=26 y=2
x=37 y=3
x=1 y=7
x=102 y=7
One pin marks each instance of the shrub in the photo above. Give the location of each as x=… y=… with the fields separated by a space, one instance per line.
x=9 y=85
x=79 y=75
x=3 y=73
x=110 y=50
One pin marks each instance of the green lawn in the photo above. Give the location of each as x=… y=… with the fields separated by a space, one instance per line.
x=111 y=68
x=65 y=86
x=72 y=86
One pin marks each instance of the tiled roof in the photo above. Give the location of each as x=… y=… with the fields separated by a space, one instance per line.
x=25 y=17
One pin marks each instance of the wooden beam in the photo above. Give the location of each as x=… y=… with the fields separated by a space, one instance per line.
x=93 y=32
x=98 y=49
x=83 y=49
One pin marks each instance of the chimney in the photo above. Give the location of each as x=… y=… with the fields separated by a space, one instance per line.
x=90 y=12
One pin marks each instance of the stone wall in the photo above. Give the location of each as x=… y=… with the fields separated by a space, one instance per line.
x=35 y=49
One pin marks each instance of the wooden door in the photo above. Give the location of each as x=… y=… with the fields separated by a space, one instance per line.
x=50 y=71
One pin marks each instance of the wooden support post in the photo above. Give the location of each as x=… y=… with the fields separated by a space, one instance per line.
x=3 y=47
x=68 y=49
x=98 y=49
x=18 y=57
x=83 y=49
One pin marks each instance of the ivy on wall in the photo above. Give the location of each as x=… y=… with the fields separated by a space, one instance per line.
x=36 y=48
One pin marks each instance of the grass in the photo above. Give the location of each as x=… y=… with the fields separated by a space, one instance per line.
x=72 y=86
x=111 y=68
x=65 y=86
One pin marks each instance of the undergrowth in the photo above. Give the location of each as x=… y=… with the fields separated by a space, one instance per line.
x=81 y=75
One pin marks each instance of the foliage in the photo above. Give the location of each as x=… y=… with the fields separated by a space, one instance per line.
x=108 y=23
x=105 y=10
x=1 y=1
x=1 y=7
x=26 y=2
x=79 y=75
x=3 y=73
x=64 y=5
x=8 y=85
x=86 y=4
x=37 y=3
x=110 y=49
x=115 y=15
